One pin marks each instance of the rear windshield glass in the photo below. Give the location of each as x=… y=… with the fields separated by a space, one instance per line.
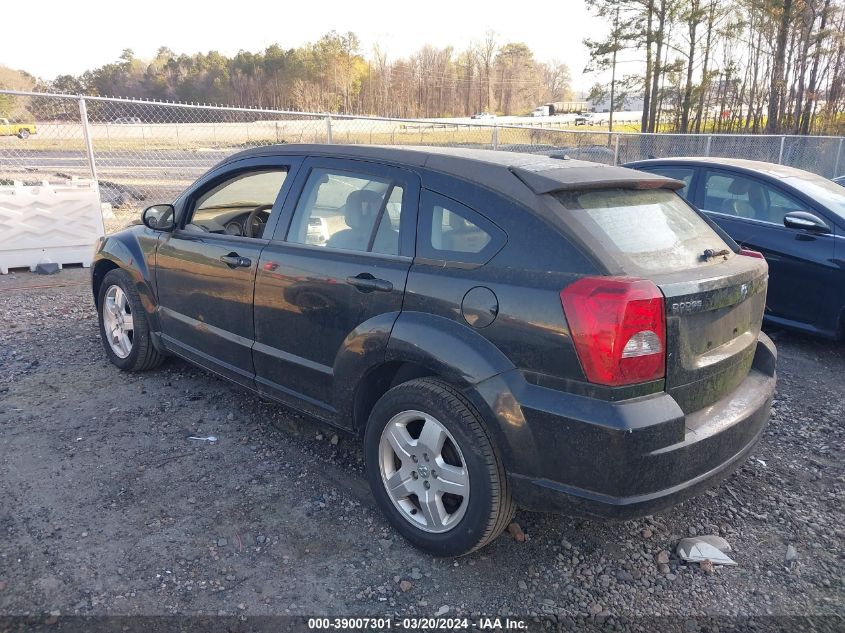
x=653 y=230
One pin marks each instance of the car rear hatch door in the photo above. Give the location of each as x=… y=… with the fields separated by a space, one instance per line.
x=713 y=318
x=714 y=297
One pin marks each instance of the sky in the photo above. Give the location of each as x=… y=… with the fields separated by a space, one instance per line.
x=95 y=32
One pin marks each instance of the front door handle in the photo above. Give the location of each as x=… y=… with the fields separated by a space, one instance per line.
x=365 y=282
x=233 y=260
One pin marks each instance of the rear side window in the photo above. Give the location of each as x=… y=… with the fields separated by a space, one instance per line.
x=651 y=230
x=451 y=231
x=348 y=210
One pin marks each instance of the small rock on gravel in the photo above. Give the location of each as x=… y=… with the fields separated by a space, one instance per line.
x=624 y=576
x=406 y=586
x=791 y=554
x=662 y=557
x=222 y=542
x=707 y=566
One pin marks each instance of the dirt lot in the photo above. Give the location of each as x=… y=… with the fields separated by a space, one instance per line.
x=106 y=506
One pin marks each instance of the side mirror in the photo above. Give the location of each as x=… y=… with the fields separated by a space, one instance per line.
x=805 y=220
x=159 y=217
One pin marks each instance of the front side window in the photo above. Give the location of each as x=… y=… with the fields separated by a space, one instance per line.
x=745 y=197
x=239 y=205
x=348 y=210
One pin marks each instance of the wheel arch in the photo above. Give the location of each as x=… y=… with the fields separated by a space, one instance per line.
x=423 y=345
x=98 y=272
x=377 y=382
x=126 y=252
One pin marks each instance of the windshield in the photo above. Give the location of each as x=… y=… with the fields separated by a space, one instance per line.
x=652 y=230
x=825 y=191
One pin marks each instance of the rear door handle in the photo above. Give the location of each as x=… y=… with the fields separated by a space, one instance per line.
x=365 y=282
x=233 y=260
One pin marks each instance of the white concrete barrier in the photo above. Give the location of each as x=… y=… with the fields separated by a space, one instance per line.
x=57 y=223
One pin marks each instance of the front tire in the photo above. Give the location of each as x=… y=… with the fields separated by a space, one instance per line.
x=433 y=469
x=23 y=134
x=124 y=328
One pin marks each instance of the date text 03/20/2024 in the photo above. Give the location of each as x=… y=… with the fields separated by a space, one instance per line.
x=418 y=624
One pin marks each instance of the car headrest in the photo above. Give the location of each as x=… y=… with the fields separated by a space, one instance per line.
x=361 y=207
x=739 y=186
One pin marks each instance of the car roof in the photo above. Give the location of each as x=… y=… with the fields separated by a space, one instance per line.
x=759 y=166
x=506 y=172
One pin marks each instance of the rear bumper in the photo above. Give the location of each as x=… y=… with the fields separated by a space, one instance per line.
x=621 y=460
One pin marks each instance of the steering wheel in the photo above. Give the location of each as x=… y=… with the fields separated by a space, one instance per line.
x=249 y=225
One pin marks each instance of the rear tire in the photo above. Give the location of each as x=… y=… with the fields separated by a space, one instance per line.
x=23 y=134
x=124 y=328
x=457 y=510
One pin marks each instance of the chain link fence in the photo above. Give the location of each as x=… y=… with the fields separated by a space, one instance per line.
x=142 y=152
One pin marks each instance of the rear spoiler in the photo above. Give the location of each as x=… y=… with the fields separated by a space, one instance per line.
x=579 y=178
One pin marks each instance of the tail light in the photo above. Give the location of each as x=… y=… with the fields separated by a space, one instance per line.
x=618 y=326
x=749 y=253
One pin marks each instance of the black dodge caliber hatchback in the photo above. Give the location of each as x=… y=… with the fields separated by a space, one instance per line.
x=499 y=329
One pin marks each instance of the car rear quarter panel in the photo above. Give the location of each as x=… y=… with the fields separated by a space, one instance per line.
x=526 y=277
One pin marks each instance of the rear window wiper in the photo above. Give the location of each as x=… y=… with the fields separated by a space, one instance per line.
x=710 y=254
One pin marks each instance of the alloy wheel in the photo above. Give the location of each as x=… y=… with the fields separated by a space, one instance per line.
x=117 y=321
x=424 y=472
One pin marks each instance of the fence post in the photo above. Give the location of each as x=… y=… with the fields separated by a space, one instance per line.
x=838 y=155
x=780 y=154
x=495 y=136
x=86 y=134
x=616 y=149
x=707 y=149
x=328 y=129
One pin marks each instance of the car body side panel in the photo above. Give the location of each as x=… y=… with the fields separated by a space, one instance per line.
x=529 y=327
x=310 y=320
x=205 y=303
x=306 y=312
x=451 y=350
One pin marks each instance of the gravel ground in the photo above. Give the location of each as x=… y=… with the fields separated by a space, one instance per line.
x=108 y=508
